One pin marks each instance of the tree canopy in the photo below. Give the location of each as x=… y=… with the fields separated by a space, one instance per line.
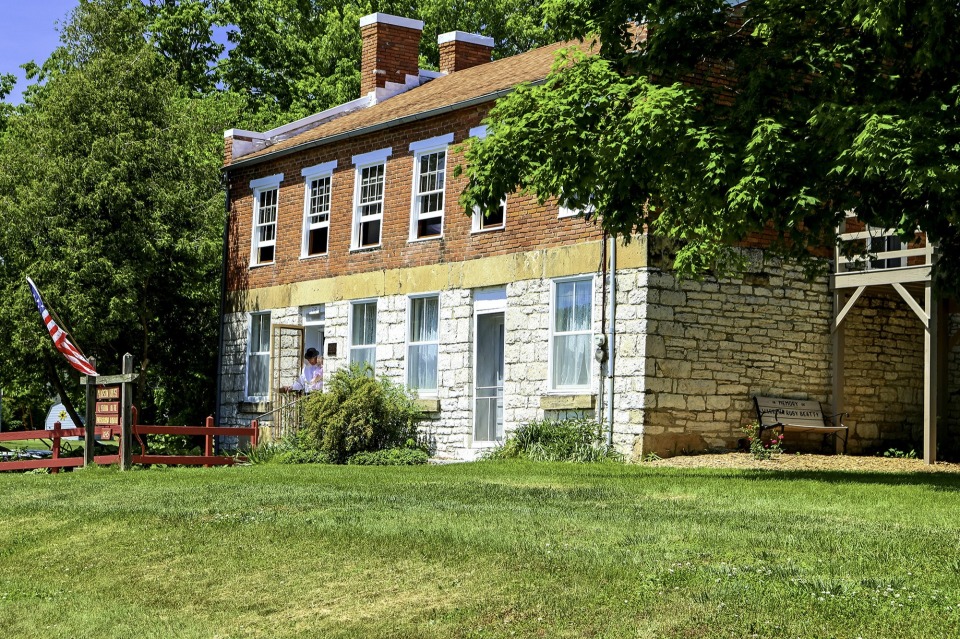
x=110 y=195
x=711 y=123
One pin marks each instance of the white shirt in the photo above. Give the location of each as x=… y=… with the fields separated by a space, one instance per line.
x=311 y=379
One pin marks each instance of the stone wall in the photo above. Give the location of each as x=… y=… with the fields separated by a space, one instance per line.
x=884 y=374
x=712 y=345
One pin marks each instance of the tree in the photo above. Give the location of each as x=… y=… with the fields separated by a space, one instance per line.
x=292 y=58
x=110 y=200
x=775 y=115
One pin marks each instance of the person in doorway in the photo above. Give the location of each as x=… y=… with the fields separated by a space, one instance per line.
x=311 y=377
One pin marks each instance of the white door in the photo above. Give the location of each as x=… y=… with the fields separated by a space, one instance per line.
x=488 y=402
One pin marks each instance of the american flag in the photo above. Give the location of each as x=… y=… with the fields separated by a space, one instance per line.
x=59 y=336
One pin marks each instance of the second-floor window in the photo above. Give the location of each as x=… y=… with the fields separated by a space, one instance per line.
x=266 y=195
x=429 y=177
x=316 y=209
x=368 y=198
x=491 y=221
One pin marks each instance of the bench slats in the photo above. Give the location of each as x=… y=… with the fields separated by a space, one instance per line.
x=796 y=415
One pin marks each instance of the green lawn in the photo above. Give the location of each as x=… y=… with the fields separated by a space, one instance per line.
x=478 y=550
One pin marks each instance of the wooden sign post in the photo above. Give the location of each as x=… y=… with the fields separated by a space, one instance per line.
x=113 y=409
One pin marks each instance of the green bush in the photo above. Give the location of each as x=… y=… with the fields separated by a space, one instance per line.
x=573 y=440
x=391 y=457
x=357 y=413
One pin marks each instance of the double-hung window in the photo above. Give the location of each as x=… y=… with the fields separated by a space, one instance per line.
x=363 y=332
x=258 y=357
x=316 y=208
x=423 y=343
x=266 y=195
x=370 y=179
x=571 y=335
x=429 y=177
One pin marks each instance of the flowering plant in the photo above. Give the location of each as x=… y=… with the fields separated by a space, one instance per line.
x=760 y=448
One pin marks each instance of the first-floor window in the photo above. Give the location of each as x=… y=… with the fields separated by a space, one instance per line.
x=258 y=356
x=423 y=343
x=572 y=333
x=363 y=333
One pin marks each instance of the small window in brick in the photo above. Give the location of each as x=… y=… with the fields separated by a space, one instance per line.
x=266 y=194
x=491 y=221
x=316 y=209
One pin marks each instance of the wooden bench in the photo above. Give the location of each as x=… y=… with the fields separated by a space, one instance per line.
x=798 y=415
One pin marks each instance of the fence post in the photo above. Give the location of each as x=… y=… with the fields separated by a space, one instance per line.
x=255 y=437
x=56 y=446
x=90 y=425
x=126 y=416
x=208 y=439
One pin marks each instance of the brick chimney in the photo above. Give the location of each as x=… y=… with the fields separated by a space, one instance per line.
x=460 y=50
x=391 y=50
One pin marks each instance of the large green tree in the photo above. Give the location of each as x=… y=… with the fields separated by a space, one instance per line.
x=292 y=58
x=110 y=200
x=713 y=122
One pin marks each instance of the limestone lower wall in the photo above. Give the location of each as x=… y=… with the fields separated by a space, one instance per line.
x=712 y=345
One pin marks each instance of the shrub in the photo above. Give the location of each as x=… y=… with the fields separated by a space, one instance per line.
x=391 y=457
x=357 y=413
x=759 y=448
x=573 y=440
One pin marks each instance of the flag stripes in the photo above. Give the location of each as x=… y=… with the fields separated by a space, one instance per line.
x=59 y=336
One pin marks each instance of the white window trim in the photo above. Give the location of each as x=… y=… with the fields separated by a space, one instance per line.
x=309 y=174
x=258 y=186
x=476 y=219
x=436 y=144
x=246 y=362
x=564 y=211
x=551 y=383
x=361 y=162
x=350 y=344
x=430 y=392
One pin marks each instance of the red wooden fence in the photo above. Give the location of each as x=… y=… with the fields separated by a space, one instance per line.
x=56 y=462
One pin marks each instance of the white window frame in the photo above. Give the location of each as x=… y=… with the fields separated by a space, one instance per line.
x=420 y=150
x=353 y=347
x=310 y=175
x=552 y=383
x=251 y=318
x=422 y=392
x=260 y=187
x=362 y=162
x=479 y=220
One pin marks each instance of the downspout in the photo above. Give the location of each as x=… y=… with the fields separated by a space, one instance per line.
x=600 y=356
x=223 y=296
x=611 y=339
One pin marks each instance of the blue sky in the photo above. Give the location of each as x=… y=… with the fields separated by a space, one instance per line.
x=29 y=33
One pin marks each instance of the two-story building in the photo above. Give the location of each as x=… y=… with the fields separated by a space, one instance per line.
x=345 y=234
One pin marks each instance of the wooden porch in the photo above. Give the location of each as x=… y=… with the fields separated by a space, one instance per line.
x=868 y=259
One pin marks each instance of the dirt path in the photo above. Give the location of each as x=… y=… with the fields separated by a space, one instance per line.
x=789 y=461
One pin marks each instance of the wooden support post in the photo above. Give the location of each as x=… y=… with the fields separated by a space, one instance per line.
x=90 y=423
x=838 y=343
x=931 y=370
x=208 y=439
x=56 y=445
x=126 y=416
x=255 y=438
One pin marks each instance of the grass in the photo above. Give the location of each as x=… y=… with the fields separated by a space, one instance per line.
x=494 y=549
